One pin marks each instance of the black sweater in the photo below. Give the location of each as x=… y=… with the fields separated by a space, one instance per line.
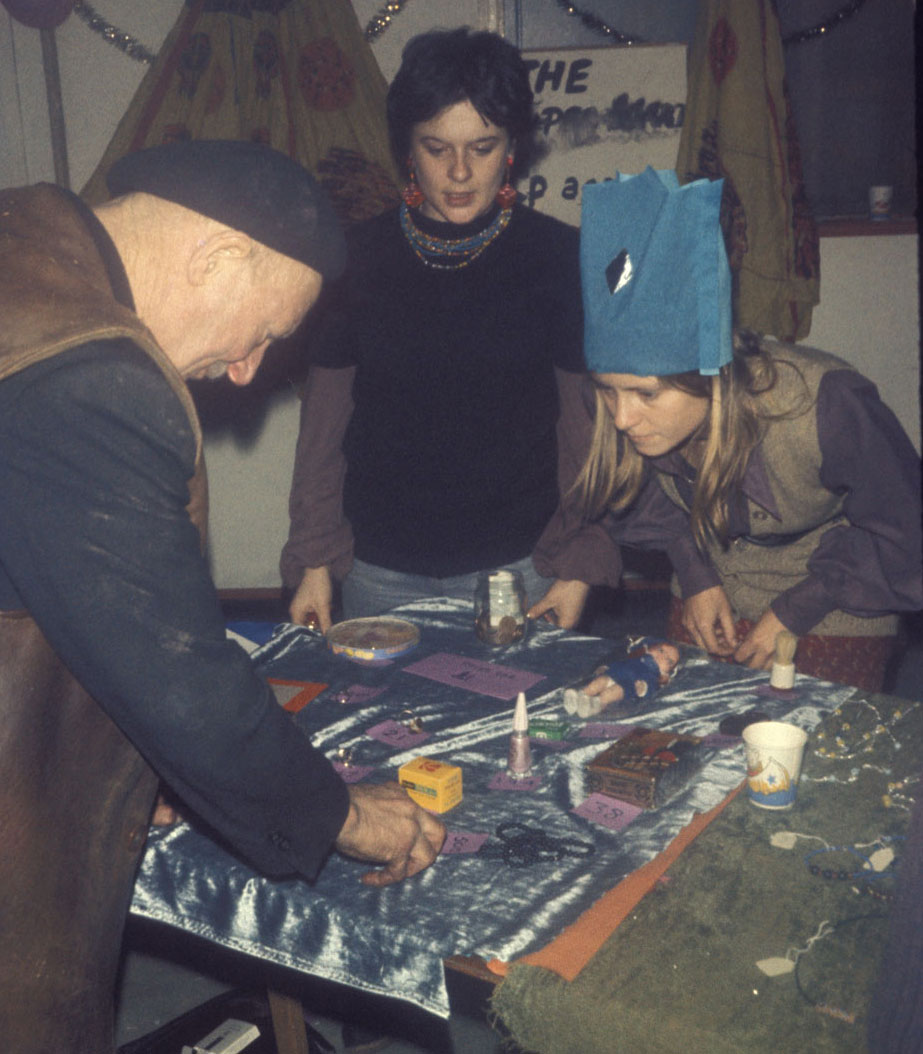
x=451 y=448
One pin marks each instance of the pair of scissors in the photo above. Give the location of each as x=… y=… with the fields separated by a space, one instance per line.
x=523 y=846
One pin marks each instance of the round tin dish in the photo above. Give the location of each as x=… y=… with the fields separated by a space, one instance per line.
x=373 y=639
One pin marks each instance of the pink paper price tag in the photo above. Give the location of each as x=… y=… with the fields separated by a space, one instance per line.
x=719 y=739
x=777 y=693
x=609 y=812
x=463 y=842
x=503 y=781
x=475 y=675
x=397 y=735
x=352 y=773
x=604 y=730
x=357 y=693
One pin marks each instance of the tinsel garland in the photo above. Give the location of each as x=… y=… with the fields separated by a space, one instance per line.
x=382 y=20
x=136 y=50
x=595 y=23
x=822 y=28
x=133 y=48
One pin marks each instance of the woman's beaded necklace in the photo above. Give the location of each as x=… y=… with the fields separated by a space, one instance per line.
x=450 y=254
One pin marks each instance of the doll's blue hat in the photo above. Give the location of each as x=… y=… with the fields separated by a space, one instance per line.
x=655 y=276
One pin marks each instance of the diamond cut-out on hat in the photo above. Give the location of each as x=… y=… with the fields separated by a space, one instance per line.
x=619 y=272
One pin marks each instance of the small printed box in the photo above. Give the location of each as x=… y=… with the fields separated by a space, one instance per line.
x=436 y=785
x=548 y=728
x=646 y=766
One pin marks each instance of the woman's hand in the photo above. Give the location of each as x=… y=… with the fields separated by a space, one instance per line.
x=708 y=618
x=314 y=597
x=758 y=648
x=563 y=603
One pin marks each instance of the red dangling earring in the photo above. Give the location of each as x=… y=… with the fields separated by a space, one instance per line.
x=412 y=195
x=507 y=194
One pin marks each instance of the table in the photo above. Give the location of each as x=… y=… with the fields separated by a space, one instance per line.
x=680 y=973
x=394 y=941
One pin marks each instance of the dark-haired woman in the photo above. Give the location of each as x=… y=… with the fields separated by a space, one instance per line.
x=801 y=489
x=443 y=401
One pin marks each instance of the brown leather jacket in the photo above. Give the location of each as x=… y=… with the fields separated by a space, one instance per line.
x=75 y=796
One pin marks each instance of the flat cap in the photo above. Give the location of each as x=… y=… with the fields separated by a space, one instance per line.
x=247 y=186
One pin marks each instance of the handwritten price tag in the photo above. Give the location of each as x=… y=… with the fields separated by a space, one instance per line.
x=604 y=730
x=503 y=781
x=719 y=739
x=609 y=812
x=352 y=773
x=463 y=842
x=357 y=693
x=397 y=735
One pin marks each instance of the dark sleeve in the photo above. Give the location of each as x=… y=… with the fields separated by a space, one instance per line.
x=562 y=298
x=871 y=565
x=570 y=548
x=653 y=521
x=319 y=533
x=95 y=454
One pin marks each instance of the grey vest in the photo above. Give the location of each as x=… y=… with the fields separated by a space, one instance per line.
x=753 y=575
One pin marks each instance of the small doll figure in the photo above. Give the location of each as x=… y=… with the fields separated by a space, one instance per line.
x=630 y=682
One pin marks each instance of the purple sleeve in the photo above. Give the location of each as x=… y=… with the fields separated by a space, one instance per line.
x=656 y=522
x=872 y=564
x=570 y=548
x=573 y=549
x=319 y=534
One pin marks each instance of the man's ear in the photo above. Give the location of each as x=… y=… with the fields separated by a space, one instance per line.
x=212 y=254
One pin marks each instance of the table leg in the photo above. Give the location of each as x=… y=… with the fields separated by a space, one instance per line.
x=288 y=1023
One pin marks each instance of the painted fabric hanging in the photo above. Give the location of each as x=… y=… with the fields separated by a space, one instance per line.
x=295 y=74
x=739 y=126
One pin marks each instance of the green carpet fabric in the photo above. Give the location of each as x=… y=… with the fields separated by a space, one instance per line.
x=680 y=973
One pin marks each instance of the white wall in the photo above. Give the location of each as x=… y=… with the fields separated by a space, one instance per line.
x=869 y=314
x=869 y=310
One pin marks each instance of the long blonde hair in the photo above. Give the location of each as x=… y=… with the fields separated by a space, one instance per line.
x=614 y=471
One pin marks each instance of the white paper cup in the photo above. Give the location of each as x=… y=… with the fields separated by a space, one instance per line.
x=880 y=202
x=774 y=753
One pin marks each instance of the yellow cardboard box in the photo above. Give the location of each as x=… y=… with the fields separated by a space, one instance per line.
x=436 y=785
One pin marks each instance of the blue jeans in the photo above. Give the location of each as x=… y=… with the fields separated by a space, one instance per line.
x=370 y=590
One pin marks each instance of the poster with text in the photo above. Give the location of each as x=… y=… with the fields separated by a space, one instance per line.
x=601 y=111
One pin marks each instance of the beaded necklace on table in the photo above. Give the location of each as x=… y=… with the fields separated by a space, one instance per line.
x=451 y=254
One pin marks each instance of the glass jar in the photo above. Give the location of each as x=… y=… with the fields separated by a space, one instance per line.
x=500 y=608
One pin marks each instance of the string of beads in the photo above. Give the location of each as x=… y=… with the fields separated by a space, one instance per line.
x=450 y=254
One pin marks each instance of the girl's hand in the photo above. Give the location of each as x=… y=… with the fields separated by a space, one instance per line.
x=563 y=603
x=758 y=648
x=708 y=618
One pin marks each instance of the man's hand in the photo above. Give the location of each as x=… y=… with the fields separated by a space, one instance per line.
x=707 y=616
x=385 y=826
x=313 y=597
x=563 y=603
x=165 y=812
x=758 y=648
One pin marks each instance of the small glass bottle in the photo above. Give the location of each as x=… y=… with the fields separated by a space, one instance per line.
x=500 y=607
x=519 y=758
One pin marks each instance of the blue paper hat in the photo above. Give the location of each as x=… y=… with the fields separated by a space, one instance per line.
x=655 y=275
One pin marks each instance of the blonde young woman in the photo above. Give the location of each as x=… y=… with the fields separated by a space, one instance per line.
x=800 y=489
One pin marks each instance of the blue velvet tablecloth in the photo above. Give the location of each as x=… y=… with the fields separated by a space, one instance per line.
x=393 y=941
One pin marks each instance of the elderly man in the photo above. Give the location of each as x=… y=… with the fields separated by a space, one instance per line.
x=114 y=664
